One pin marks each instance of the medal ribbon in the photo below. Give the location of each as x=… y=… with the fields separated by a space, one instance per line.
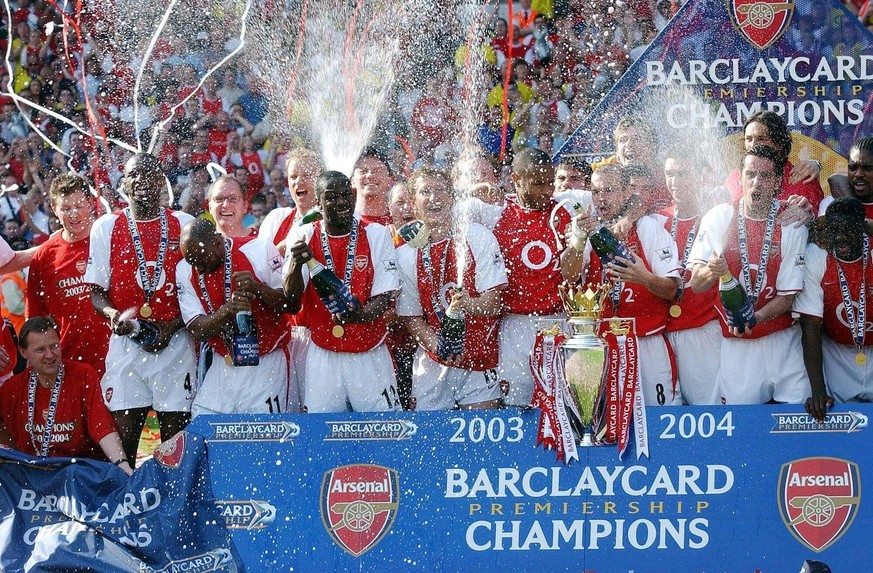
x=765 y=251
x=428 y=268
x=42 y=451
x=858 y=327
x=689 y=242
x=228 y=272
x=350 y=257
x=149 y=286
x=625 y=407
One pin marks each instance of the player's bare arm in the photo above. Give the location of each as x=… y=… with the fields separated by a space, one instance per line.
x=489 y=303
x=810 y=334
x=104 y=307
x=19 y=261
x=166 y=330
x=293 y=281
x=637 y=272
x=704 y=277
x=375 y=308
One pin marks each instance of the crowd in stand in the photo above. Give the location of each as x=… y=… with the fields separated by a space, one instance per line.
x=148 y=294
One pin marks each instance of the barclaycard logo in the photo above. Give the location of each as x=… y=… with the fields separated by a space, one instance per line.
x=210 y=561
x=370 y=430
x=839 y=422
x=253 y=431
x=248 y=514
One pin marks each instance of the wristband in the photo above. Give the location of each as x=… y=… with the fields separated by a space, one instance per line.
x=119 y=462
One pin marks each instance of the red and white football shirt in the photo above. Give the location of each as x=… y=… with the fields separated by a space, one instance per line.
x=112 y=264
x=277 y=224
x=375 y=273
x=259 y=258
x=822 y=296
x=484 y=270
x=784 y=274
x=653 y=244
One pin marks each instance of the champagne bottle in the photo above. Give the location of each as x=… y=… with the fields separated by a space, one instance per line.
x=144 y=333
x=734 y=298
x=452 y=334
x=333 y=292
x=607 y=246
x=311 y=216
x=245 y=340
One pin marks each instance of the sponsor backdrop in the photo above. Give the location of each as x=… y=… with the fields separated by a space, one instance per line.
x=739 y=489
x=60 y=514
x=810 y=61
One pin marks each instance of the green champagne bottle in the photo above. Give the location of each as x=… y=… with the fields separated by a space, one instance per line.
x=736 y=301
x=607 y=246
x=333 y=292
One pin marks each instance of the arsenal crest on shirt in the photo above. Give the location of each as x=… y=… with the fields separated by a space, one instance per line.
x=818 y=499
x=170 y=453
x=761 y=22
x=358 y=505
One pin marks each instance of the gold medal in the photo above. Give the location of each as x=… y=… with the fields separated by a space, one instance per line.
x=228 y=359
x=145 y=310
x=860 y=359
x=338 y=331
x=675 y=311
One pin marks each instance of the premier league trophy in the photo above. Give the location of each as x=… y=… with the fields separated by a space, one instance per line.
x=583 y=349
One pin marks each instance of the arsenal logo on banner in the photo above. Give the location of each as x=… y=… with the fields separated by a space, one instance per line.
x=170 y=453
x=358 y=505
x=818 y=499
x=761 y=22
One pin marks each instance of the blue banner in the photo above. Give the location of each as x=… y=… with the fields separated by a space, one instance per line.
x=739 y=489
x=61 y=514
x=810 y=61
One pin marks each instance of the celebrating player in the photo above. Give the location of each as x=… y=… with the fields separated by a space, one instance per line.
x=55 y=283
x=834 y=301
x=227 y=206
x=371 y=181
x=54 y=407
x=763 y=362
x=218 y=278
x=692 y=329
x=132 y=271
x=302 y=168
x=429 y=276
x=642 y=288
x=528 y=227
x=347 y=365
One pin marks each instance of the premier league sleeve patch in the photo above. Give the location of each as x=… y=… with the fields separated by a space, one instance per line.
x=799 y=260
x=390 y=265
x=276 y=263
x=665 y=254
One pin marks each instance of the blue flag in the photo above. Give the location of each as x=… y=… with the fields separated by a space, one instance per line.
x=63 y=514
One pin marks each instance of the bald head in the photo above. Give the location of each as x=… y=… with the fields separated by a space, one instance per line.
x=530 y=160
x=201 y=245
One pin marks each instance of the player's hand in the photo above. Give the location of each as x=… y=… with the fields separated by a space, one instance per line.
x=281 y=248
x=241 y=301
x=582 y=225
x=166 y=330
x=461 y=300
x=626 y=270
x=817 y=405
x=796 y=211
x=805 y=172
x=717 y=265
x=117 y=325
x=354 y=316
x=300 y=253
x=244 y=281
